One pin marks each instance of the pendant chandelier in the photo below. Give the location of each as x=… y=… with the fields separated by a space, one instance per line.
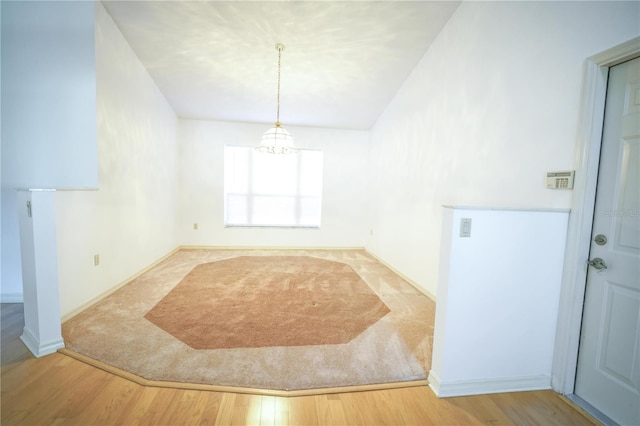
x=277 y=140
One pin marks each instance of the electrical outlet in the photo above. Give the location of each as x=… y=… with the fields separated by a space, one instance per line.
x=195 y=226
x=96 y=259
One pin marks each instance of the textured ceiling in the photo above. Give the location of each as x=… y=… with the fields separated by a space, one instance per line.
x=343 y=62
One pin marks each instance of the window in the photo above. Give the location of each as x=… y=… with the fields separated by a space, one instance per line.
x=272 y=190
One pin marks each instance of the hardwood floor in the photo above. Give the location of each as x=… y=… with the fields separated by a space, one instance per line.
x=59 y=390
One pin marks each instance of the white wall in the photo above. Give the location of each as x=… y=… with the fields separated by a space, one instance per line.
x=344 y=205
x=130 y=221
x=1 y=192
x=488 y=307
x=48 y=90
x=489 y=109
x=48 y=114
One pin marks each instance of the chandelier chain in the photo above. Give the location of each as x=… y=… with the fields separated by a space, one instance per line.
x=278 y=110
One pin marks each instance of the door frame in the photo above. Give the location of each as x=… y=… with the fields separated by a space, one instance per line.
x=574 y=276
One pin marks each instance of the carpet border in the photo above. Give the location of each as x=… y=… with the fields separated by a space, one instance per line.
x=415 y=285
x=234 y=389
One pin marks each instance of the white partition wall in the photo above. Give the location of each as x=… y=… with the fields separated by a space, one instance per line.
x=48 y=114
x=498 y=293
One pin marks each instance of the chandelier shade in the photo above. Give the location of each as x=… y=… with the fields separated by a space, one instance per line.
x=277 y=140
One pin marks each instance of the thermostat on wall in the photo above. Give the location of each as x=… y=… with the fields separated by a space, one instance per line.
x=560 y=180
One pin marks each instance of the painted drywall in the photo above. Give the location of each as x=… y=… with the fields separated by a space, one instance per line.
x=490 y=108
x=48 y=115
x=512 y=343
x=1 y=223
x=130 y=220
x=11 y=273
x=344 y=203
x=48 y=93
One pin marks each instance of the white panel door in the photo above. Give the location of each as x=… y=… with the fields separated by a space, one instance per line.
x=608 y=374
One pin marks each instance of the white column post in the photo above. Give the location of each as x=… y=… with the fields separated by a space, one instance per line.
x=42 y=332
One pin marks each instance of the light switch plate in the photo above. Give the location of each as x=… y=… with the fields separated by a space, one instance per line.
x=465 y=227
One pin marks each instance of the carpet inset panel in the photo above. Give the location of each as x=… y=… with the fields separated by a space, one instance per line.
x=262 y=301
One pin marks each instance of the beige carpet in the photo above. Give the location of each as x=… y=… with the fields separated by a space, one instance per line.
x=267 y=319
x=264 y=301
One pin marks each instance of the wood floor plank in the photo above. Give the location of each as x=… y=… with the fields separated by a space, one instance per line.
x=48 y=403
x=421 y=406
x=282 y=411
x=332 y=405
x=191 y=410
x=252 y=409
x=325 y=417
x=387 y=407
x=267 y=415
x=172 y=414
x=210 y=403
x=13 y=417
x=114 y=398
x=138 y=405
x=484 y=410
x=34 y=390
x=355 y=404
x=227 y=407
x=303 y=411
x=80 y=392
x=155 y=414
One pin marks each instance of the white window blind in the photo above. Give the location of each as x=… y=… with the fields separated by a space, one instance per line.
x=272 y=190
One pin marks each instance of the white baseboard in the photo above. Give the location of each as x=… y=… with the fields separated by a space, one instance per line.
x=484 y=386
x=11 y=298
x=38 y=348
x=434 y=382
x=201 y=247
